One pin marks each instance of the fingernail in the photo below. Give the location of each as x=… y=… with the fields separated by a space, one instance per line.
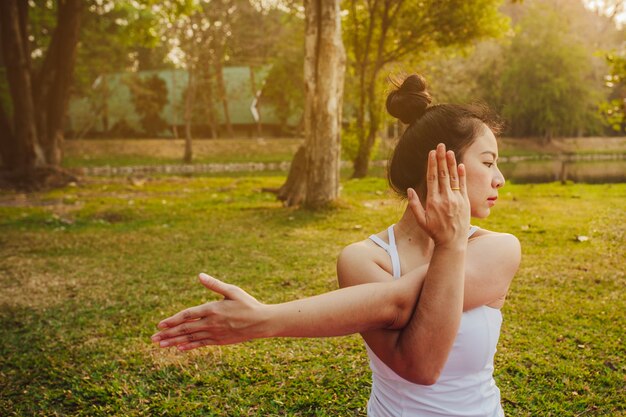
x=155 y=338
x=202 y=275
x=164 y=343
x=162 y=326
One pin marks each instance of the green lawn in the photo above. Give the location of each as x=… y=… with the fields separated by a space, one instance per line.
x=87 y=271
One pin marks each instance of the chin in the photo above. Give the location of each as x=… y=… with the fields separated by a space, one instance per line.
x=481 y=214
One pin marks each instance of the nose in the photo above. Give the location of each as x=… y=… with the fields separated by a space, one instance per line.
x=498 y=179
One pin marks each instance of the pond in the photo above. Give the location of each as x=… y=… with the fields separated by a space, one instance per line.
x=592 y=169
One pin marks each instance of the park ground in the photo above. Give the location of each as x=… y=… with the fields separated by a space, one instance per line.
x=88 y=270
x=132 y=152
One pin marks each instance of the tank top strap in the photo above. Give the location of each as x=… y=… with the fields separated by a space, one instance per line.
x=393 y=253
x=391 y=249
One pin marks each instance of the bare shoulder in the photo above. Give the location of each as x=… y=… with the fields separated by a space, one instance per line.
x=492 y=261
x=495 y=254
x=360 y=263
x=505 y=245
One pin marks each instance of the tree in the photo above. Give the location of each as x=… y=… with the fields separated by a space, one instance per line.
x=32 y=137
x=382 y=32
x=613 y=110
x=149 y=96
x=283 y=86
x=545 y=88
x=314 y=176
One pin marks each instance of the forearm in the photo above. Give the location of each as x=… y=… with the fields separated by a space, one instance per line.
x=432 y=329
x=341 y=312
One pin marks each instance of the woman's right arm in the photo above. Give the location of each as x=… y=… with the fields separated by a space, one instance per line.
x=240 y=317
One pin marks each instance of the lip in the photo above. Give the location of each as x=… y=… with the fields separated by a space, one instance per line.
x=492 y=201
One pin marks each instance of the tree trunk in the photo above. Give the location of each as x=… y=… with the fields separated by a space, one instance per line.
x=174 y=106
x=34 y=138
x=8 y=149
x=293 y=191
x=207 y=95
x=362 y=161
x=21 y=152
x=51 y=89
x=255 y=94
x=189 y=102
x=324 y=68
x=221 y=91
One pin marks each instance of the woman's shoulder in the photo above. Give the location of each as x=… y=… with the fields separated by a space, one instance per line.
x=361 y=262
x=480 y=232
x=363 y=250
x=500 y=252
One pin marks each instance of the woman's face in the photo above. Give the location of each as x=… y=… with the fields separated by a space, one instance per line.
x=483 y=176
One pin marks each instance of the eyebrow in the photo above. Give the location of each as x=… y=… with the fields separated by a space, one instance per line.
x=490 y=153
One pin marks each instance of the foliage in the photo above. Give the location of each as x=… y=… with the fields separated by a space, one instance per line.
x=284 y=85
x=87 y=271
x=614 y=109
x=379 y=34
x=149 y=96
x=545 y=89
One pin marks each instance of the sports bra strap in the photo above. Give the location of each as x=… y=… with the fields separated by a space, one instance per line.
x=392 y=249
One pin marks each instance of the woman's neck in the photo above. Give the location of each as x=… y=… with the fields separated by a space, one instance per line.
x=407 y=230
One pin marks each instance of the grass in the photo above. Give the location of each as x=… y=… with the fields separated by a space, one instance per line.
x=88 y=271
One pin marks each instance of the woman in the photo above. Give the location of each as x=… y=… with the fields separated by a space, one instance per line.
x=425 y=294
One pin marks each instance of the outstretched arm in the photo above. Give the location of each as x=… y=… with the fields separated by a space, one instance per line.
x=240 y=317
x=381 y=304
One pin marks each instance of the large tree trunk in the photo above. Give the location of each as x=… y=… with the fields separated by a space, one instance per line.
x=19 y=146
x=324 y=68
x=52 y=87
x=34 y=138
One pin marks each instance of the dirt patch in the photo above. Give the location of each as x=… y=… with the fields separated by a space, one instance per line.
x=565 y=145
x=174 y=148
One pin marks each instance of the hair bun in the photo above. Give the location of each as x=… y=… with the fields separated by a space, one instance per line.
x=409 y=102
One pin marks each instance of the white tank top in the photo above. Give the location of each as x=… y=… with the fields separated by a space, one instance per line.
x=466 y=386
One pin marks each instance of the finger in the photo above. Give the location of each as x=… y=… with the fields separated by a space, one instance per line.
x=188 y=314
x=416 y=206
x=462 y=179
x=198 y=344
x=185 y=339
x=228 y=291
x=181 y=329
x=442 y=168
x=453 y=171
x=432 y=185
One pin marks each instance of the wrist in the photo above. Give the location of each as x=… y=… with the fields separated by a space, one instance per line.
x=454 y=245
x=267 y=324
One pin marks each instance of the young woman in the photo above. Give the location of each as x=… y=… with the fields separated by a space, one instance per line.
x=425 y=294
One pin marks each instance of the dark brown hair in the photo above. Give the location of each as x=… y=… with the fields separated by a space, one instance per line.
x=454 y=125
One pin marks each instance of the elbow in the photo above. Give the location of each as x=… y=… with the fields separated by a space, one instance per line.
x=429 y=378
x=400 y=308
x=421 y=375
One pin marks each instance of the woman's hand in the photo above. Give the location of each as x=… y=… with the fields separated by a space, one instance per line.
x=231 y=320
x=446 y=217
